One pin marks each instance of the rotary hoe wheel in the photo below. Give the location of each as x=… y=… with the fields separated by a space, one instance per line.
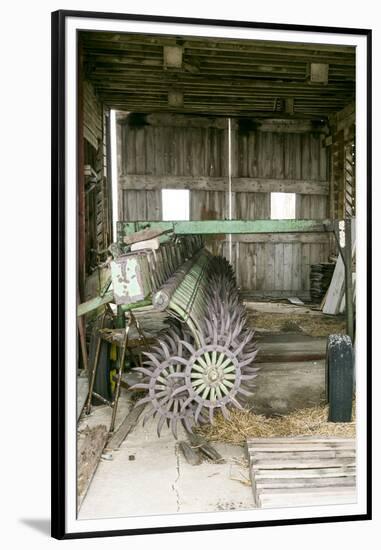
x=162 y=383
x=199 y=367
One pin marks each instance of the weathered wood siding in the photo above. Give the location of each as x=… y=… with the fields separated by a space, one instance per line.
x=98 y=222
x=92 y=116
x=277 y=160
x=278 y=265
x=170 y=151
x=341 y=142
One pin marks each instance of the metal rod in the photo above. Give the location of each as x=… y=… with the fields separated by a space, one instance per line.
x=105 y=401
x=119 y=375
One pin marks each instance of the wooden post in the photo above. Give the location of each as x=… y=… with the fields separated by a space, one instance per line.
x=348 y=277
x=80 y=178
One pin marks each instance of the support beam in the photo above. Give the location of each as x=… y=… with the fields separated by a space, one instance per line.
x=285 y=238
x=287 y=125
x=319 y=73
x=348 y=263
x=175 y=98
x=289 y=105
x=212 y=227
x=172 y=57
x=210 y=183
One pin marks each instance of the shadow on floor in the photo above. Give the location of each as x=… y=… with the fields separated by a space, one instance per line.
x=41 y=525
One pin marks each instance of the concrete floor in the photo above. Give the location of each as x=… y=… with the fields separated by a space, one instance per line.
x=150 y=476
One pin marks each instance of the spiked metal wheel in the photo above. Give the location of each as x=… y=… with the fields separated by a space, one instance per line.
x=214 y=377
x=166 y=402
x=204 y=361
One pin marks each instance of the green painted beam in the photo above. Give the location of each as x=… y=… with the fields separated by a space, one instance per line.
x=136 y=305
x=213 y=227
x=94 y=303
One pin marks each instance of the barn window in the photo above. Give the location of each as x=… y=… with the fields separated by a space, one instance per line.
x=282 y=206
x=175 y=204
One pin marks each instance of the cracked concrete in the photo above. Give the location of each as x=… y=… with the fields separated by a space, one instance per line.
x=175 y=488
x=149 y=475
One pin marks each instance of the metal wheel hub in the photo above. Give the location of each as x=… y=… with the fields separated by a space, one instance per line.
x=212 y=372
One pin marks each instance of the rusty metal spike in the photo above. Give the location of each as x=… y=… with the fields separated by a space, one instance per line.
x=143 y=400
x=160 y=425
x=244 y=392
x=174 y=426
x=188 y=346
x=143 y=370
x=140 y=386
x=187 y=424
x=148 y=415
x=197 y=413
x=225 y=412
x=153 y=358
x=165 y=349
x=211 y=419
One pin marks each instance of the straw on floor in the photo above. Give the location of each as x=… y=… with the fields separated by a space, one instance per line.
x=245 y=424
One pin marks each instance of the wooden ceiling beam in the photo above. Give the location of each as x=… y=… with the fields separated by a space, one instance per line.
x=210 y=43
x=184 y=80
x=224 y=76
x=208 y=110
x=256 y=57
x=190 y=57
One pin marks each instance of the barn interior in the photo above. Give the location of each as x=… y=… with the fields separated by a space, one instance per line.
x=244 y=149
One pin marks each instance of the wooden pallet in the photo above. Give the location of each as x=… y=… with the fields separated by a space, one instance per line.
x=302 y=471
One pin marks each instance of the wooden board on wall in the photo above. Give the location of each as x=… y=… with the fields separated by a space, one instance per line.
x=170 y=151
x=92 y=115
x=288 y=156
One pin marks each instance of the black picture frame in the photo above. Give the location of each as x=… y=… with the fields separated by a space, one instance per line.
x=58 y=425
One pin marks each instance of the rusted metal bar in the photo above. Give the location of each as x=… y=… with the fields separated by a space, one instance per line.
x=119 y=375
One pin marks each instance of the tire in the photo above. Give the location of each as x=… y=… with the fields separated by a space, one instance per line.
x=102 y=383
x=339 y=377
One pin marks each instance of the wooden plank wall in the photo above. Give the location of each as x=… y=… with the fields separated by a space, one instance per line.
x=92 y=115
x=343 y=172
x=279 y=264
x=171 y=151
x=196 y=153
x=98 y=222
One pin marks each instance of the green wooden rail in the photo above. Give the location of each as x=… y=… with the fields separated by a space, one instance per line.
x=212 y=227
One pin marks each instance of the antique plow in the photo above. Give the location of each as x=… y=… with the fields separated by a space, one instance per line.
x=203 y=363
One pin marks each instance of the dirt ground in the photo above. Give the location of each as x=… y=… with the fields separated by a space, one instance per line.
x=284 y=317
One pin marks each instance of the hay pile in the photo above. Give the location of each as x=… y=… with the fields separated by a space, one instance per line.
x=243 y=425
x=313 y=325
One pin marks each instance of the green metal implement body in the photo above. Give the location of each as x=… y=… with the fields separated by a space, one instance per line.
x=130 y=278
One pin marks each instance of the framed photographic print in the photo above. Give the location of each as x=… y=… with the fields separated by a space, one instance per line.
x=211 y=186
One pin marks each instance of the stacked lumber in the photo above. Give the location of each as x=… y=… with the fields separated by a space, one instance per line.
x=320 y=279
x=336 y=290
x=302 y=471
